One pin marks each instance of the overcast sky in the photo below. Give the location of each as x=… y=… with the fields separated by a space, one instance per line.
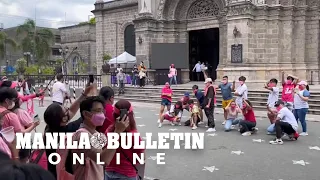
x=49 y=13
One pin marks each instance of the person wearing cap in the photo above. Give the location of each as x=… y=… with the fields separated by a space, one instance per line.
x=301 y=105
x=172 y=74
x=242 y=91
x=209 y=94
x=272 y=99
x=288 y=87
x=285 y=123
x=166 y=99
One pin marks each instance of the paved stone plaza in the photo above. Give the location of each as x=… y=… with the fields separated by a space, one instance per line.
x=228 y=156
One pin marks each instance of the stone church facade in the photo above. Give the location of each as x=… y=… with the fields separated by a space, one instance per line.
x=276 y=35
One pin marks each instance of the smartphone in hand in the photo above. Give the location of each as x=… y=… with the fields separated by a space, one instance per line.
x=36 y=118
x=123 y=112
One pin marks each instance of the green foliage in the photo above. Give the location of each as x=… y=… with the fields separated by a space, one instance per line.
x=21 y=66
x=38 y=43
x=31 y=70
x=106 y=58
x=92 y=21
x=59 y=61
x=48 y=71
x=5 y=41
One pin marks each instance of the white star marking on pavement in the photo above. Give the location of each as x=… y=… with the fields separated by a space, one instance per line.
x=141 y=125
x=157 y=114
x=173 y=129
x=237 y=152
x=314 y=148
x=153 y=158
x=301 y=162
x=258 y=140
x=148 y=178
x=211 y=169
x=144 y=138
x=137 y=117
x=214 y=134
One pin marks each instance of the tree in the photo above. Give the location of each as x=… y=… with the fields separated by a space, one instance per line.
x=21 y=66
x=92 y=21
x=38 y=42
x=4 y=42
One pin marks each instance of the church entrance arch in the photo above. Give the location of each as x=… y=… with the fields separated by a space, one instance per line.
x=202 y=20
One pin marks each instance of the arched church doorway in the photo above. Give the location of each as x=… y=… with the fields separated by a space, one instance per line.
x=130 y=40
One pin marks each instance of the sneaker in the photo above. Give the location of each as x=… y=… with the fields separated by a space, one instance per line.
x=194 y=127
x=254 y=130
x=271 y=133
x=224 y=122
x=233 y=127
x=248 y=133
x=206 y=126
x=276 y=141
x=201 y=122
x=160 y=125
x=211 y=130
x=304 y=134
x=158 y=120
x=172 y=124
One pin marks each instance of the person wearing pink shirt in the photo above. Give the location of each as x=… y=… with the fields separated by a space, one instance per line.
x=8 y=97
x=166 y=98
x=288 y=90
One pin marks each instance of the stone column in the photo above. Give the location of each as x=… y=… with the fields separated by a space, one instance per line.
x=99 y=40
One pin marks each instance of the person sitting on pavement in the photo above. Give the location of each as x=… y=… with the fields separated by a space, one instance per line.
x=200 y=99
x=232 y=111
x=194 y=113
x=285 y=123
x=166 y=98
x=272 y=99
x=173 y=115
x=247 y=126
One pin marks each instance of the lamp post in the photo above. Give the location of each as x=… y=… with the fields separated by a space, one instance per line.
x=116 y=23
x=64 y=51
x=7 y=67
x=27 y=54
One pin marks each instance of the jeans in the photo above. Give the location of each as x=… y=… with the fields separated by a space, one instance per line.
x=121 y=87
x=173 y=78
x=134 y=80
x=283 y=127
x=246 y=126
x=117 y=176
x=142 y=82
x=209 y=113
x=230 y=122
x=300 y=115
x=271 y=128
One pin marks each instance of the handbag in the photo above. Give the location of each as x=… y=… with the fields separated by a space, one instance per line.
x=170 y=75
x=134 y=166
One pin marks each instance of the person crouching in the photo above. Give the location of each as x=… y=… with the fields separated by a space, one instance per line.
x=173 y=115
x=195 y=114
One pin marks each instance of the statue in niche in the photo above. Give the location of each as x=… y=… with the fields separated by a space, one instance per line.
x=145 y=6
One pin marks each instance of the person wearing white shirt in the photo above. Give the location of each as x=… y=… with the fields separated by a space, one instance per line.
x=59 y=90
x=198 y=69
x=272 y=99
x=241 y=92
x=285 y=123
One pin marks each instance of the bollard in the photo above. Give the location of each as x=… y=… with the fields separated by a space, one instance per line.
x=74 y=93
x=49 y=91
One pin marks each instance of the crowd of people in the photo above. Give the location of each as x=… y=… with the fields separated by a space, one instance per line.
x=99 y=113
x=284 y=114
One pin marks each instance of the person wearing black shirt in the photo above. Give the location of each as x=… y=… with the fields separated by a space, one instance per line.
x=209 y=104
x=135 y=74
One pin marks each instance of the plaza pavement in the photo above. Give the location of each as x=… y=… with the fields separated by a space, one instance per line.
x=227 y=156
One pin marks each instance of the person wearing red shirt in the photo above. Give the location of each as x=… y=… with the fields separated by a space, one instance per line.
x=288 y=87
x=185 y=100
x=125 y=169
x=248 y=125
x=166 y=99
x=108 y=94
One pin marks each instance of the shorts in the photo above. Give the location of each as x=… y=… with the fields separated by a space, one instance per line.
x=169 y=118
x=225 y=103
x=165 y=102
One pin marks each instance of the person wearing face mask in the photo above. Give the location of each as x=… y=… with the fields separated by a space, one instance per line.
x=248 y=124
x=285 y=123
x=241 y=92
x=272 y=99
x=125 y=169
x=173 y=115
x=232 y=115
x=288 y=87
x=226 y=91
x=108 y=94
x=301 y=105
x=57 y=119
x=166 y=99
x=92 y=112
x=8 y=98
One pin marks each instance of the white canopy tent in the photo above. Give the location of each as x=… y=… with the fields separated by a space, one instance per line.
x=124 y=58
